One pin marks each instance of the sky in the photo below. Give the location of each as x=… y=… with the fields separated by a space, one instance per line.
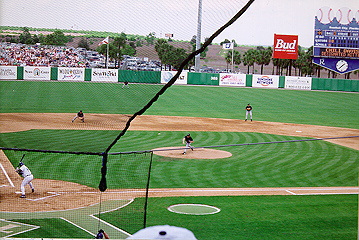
x=256 y=26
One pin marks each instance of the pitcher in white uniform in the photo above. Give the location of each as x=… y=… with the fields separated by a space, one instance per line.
x=28 y=177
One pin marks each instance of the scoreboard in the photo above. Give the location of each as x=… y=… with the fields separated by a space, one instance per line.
x=337 y=52
x=336 y=44
x=333 y=40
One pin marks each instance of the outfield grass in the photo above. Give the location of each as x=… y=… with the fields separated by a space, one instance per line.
x=70 y=97
x=339 y=109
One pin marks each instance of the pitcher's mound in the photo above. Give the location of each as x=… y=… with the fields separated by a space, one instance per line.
x=197 y=153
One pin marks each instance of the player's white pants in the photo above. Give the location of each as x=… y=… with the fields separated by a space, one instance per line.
x=250 y=114
x=188 y=145
x=81 y=118
x=27 y=180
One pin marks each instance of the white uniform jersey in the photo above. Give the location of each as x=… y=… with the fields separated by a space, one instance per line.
x=25 y=171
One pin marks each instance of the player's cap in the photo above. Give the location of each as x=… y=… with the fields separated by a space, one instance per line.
x=20 y=164
x=188 y=134
x=164 y=232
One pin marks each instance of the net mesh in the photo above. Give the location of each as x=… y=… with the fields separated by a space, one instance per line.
x=97 y=175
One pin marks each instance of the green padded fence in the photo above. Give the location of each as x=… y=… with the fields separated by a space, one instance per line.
x=193 y=78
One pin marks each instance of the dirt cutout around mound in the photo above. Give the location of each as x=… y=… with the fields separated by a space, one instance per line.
x=52 y=195
x=196 y=153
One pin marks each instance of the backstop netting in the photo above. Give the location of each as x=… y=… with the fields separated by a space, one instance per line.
x=124 y=167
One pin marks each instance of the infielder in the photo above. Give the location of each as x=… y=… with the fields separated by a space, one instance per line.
x=188 y=140
x=23 y=171
x=79 y=115
x=248 y=111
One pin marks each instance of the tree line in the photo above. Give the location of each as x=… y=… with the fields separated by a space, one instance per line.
x=171 y=57
x=303 y=66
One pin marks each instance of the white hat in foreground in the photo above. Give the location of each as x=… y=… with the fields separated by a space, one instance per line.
x=164 y=232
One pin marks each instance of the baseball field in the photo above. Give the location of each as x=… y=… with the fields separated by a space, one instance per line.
x=291 y=173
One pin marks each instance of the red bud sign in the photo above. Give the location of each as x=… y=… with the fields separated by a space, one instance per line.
x=285 y=46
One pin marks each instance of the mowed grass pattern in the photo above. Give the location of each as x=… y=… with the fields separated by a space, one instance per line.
x=70 y=97
x=338 y=109
x=295 y=164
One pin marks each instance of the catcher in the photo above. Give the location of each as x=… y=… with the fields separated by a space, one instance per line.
x=248 y=111
x=188 y=140
x=23 y=171
x=101 y=234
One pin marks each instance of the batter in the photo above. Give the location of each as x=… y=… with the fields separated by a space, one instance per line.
x=28 y=177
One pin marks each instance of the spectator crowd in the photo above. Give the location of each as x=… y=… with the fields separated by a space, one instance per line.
x=17 y=54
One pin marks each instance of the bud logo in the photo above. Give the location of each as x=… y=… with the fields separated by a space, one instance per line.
x=285 y=46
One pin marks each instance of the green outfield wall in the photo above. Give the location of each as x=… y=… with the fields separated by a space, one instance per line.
x=203 y=78
x=192 y=78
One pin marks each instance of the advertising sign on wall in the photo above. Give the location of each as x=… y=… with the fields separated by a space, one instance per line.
x=104 y=75
x=227 y=79
x=285 y=46
x=265 y=81
x=298 y=83
x=8 y=72
x=166 y=76
x=37 y=73
x=71 y=74
x=336 y=39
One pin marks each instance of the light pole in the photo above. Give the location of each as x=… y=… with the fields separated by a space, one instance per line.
x=197 y=64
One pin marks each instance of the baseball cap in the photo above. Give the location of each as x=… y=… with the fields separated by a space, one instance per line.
x=164 y=232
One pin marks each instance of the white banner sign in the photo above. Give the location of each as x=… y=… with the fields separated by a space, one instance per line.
x=104 y=75
x=8 y=72
x=71 y=74
x=36 y=73
x=166 y=76
x=228 y=79
x=299 y=83
x=265 y=81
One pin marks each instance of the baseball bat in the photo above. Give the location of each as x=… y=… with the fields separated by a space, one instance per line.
x=22 y=157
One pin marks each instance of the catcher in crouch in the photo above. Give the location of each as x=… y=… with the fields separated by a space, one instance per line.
x=23 y=171
x=188 y=140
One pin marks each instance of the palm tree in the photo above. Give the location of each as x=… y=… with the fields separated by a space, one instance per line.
x=249 y=58
x=263 y=56
x=236 y=57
